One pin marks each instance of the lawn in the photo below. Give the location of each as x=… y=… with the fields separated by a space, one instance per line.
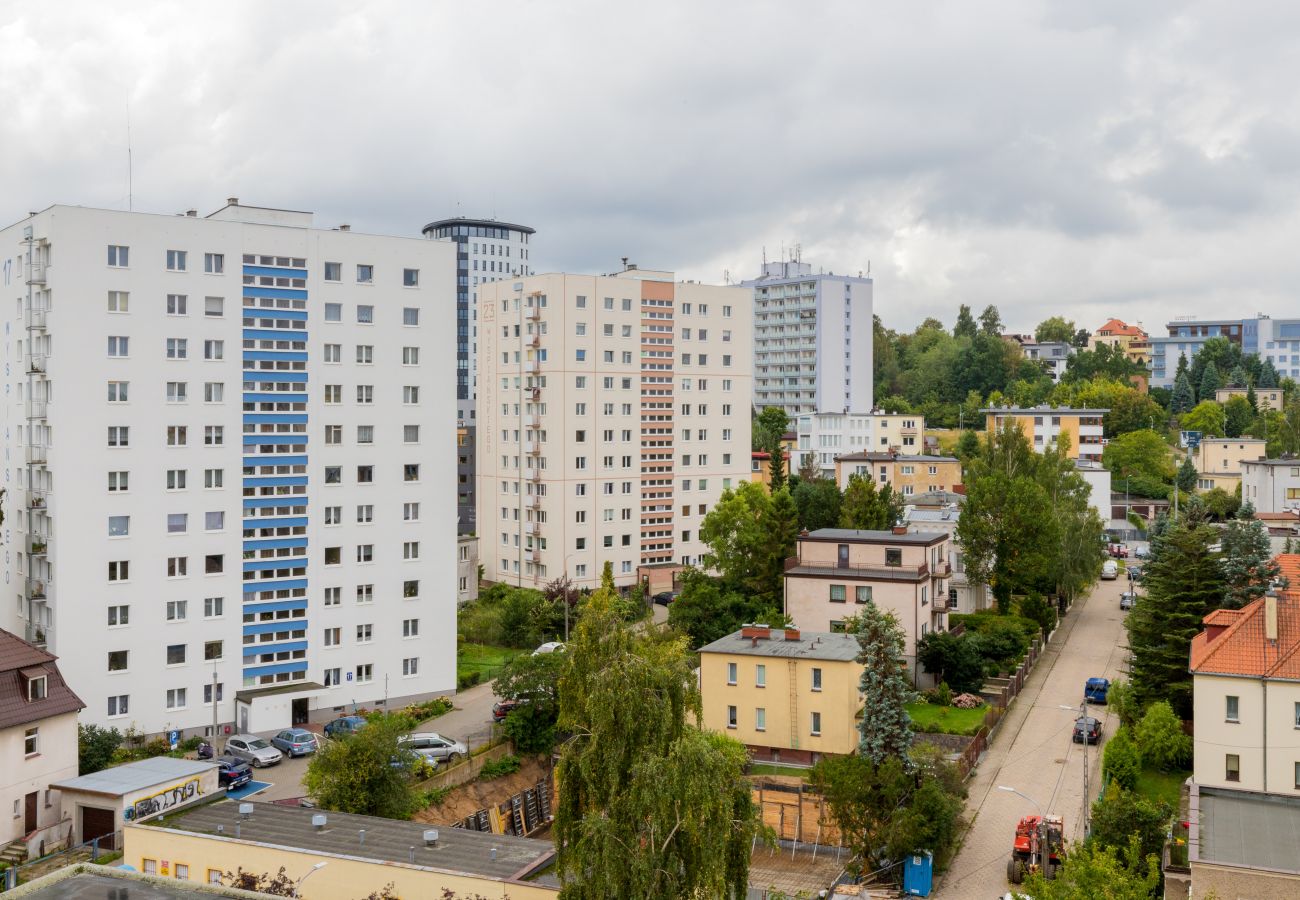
x=1156 y=785
x=945 y=719
x=484 y=659
x=792 y=771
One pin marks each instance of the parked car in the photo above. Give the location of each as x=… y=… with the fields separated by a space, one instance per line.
x=433 y=746
x=663 y=598
x=1127 y=600
x=1109 y=570
x=1095 y=689
x=1119 y=551
x=549 y=647
x=232 y=772
x=344 y=726
x=1142 y=551
x=295 y=742
x=252 y=749
x=503 y=708
x=1087 y=728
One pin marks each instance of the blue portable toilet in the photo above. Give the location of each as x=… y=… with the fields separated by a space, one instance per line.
x=918 y=874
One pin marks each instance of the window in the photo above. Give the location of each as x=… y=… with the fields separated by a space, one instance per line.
x=1231 y=709
x=410 y=315
x=365 y=513
x=411 y=472
x=893 y=556
x=118 y=660
x=119 y=301
x=365 y=553
x=333 y=271
x=177 y=435
x=365 y=274
x=177 y=391
x=333 y=637
x=333 y=312
x=31 y=741
x=177 y=305
x=119 y=436
x=119 y=257
x=365 y=434
x=333 y=353
x=119 y=615
x=214 y=392
x=333 y=474
x=410 y=356
x=760 y=719
x=731 y=717
x=36 y=688
x=207 y=692
x=177 y=610
x=151 y=867
x=411 y=589
x=365 y=394
x=213 y=478
x=119 y=570
x=410 y=278
x=1232 y=767
x=214 y=521
x=410 y=434
x=365 y=594
x=176 y=260
x=214 y=349
x=410 y=628
x=119 y=346
x=815 y=727
x=760 y=675
x=333 y=596
x=731 y=673
x=213 y=607
x=176 y=654
x=117 y=391
x=365 y=474
x=119 y=526
x=214 y=263
x=410 y=666
x=177 y=523
x=178 y=348
x=837 y=593
x=365 y=354
x=214 y=435
x=212 y=651
x=816 y=679
x=862 y=593
x=332 y=677
x=333 y=556
x=176 y=698
x=214 y=307
x=410 y=550
x=119 y=705
x=178 y=566
x=333 y=394
x=365 y=673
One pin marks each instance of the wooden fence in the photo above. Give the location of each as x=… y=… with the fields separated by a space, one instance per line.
x=795 y=813
x=520 y=815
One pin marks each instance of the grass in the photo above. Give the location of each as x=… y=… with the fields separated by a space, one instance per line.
x=484 y=659
x=764 y=769
x=1157 y=785
x=946 y=719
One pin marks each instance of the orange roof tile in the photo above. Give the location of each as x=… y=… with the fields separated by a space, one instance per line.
x=1118 y=326
x=1289 y=563
x=1242 y=649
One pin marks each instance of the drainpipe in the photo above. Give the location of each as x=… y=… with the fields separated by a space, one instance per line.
x=1263 y=680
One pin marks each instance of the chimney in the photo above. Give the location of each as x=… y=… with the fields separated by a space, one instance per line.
x=792 y=634
x=345 y=228
x=192 y=213
x=899 y=529
x=232 y=201
x=1270 y=616
x=756 y=632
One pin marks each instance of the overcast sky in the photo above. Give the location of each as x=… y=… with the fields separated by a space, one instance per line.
x=1136 y=158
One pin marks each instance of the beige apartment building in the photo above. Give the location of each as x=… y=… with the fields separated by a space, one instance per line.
x=613 y=411
x=1265 y=398
x=838 y=570
x=1218 y=461
x=909 y=475
x=789 y=696
x=1046 y=426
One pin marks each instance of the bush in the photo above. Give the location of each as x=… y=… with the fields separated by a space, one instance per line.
x=940 y=695
x=434 y=796
x=1035 y=607
x=497 y=768
x=1161 y=737
x=469 y=679
x=1121 y=761
x=190 y=744
x=955 y=659
x=96 y=747
x=1123 y=703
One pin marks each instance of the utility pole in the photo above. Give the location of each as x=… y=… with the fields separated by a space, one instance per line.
x=214 y=707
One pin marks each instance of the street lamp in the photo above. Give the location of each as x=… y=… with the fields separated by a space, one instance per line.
x=310 y=872
x=1039 y=851
x=1087 y=799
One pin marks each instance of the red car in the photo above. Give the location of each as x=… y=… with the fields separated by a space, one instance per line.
x=1119 y=551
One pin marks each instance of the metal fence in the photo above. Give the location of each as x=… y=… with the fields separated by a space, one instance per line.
x=93 y=851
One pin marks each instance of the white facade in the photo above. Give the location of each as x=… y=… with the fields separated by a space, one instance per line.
x=1271 y=485
x=176 y=517
x=963 y=596
x=1098 y=478
x=812 y=340
x=1054 y=355
x=613 y=412
x=828 y=435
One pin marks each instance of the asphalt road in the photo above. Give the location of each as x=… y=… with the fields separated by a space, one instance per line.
x=1032 y=749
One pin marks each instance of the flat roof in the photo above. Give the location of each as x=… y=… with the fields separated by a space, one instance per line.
x=859 y=536
x=822 y=645
x=486 y=223
x=1247 y=829
x=86 y=882
x=1270 y=462
x=877 y=456
x=386 y=840
x=1040 y=410
x=135 y=776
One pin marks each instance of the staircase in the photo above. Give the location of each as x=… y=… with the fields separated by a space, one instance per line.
x=15 y=854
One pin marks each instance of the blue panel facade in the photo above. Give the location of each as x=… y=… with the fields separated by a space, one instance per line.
x=275 y=472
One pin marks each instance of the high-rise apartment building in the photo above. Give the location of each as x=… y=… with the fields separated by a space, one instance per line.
x=613 y=411
x=812 y=340
x=225 y=441
x=486 y=251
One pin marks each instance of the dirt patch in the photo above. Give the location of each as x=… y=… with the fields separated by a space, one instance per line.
x=478 y=794
x=950 y=743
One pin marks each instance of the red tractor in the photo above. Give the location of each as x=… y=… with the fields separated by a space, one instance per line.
x=1027 y=853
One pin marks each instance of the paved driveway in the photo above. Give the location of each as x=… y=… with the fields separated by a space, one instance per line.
x=1032 y=750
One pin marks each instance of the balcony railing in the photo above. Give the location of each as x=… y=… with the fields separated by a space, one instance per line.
x=35 y=589
x=858 y=571
x=36 y=409
x=38 y=635
x=37 y=454
x=37 y=500
x=39 y=546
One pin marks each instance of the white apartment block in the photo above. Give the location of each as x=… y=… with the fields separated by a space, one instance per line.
x=226 y=448
x=613 y=411
x=812 y=340
x=1271 y=485
x=828 y=435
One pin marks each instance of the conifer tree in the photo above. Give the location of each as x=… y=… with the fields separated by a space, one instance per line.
x=1247 y=559
x=1209 y=383
x=1186 y=479
x=885 y=727
x=1268 y=376
x=1183 y=398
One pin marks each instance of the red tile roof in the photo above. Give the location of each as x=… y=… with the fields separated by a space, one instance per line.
x=1240 y=648
x=19 y=661
x=1118 y=327
x=1289 y=563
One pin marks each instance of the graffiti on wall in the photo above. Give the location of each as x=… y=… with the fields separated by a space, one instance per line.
x=166 y=799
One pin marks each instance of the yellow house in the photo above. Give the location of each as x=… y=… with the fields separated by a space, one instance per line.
x=1044 y=426
x=1265 y=398
x=1130 y=338
x=788 y=695
x=1218 y=461
x=340 y=856
x=760 y=467
x=909 y=475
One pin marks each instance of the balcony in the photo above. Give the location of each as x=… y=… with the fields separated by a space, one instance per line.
x=533 y=421
x=532 y=528
x=38 y=454
x=534 y=556
x=801 y=566
x=35 y=589
x=534 y=393
x=534 y=340
x=36 y=318
x=37 y=500
x=531 y=367
x=942 y=570
x=532 y=313
x=532 y=448
x=532 y=474
x=36 y=364
x=37 y=635
x=39 y=546
x=36 y=409
x=533 y=501
x=36 y=273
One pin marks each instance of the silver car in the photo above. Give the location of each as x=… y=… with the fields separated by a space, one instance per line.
x=254 y=750
x=434 y=747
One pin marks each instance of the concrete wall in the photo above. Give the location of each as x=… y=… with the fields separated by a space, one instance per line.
x=21 y=774
x=346 y=878
x=1215 y=881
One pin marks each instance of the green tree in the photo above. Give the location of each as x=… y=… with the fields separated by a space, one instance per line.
x=967 y=445
x=708 y=609
x=749 y=534
x=1219 y=354
x=1183 y=582
x=1160 y=735
x=1119 y=815
x=1121 y=761
x=1106 y=361
x=652 y=806
x=991 y=321
x=365 y=773
x=533 y=680
x=1186 y=478
x=1055 y=328
x=1184 y=398
x=1238 y=377
x=965 y=325
x=1139 y=454
x=1218 y=504
x=1268 y=377
x=954 y=658
x=1209 y=383
x=885 y=728
x=1206 y=417
x=1123 y=704
x=818 y=502
x=1238 y=416
x=865 y=508
x=768 y=427
x=1092 y=872
x=776 y=469
x=95 y=747
x=1247 y=559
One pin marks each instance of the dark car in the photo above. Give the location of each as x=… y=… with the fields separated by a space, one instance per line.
x=233 y=773
x=344 y=726
x=1087 y=728
x=663 y=598
x=1127 y=600
x=295 y=742
x=503 y=708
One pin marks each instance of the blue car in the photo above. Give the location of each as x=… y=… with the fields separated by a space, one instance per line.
x=1095 y=689
x=295 y=742
x=344 y=726
x=232 y=773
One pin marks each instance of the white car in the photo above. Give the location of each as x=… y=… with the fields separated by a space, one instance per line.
x=253 y=750
x=434 y=747
x=1109 y=570
x=549 y=647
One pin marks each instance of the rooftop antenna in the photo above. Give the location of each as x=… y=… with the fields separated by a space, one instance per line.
x=130 y=168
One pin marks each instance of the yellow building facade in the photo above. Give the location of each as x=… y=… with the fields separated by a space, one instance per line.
x=909 y=475
x=1046 y=426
